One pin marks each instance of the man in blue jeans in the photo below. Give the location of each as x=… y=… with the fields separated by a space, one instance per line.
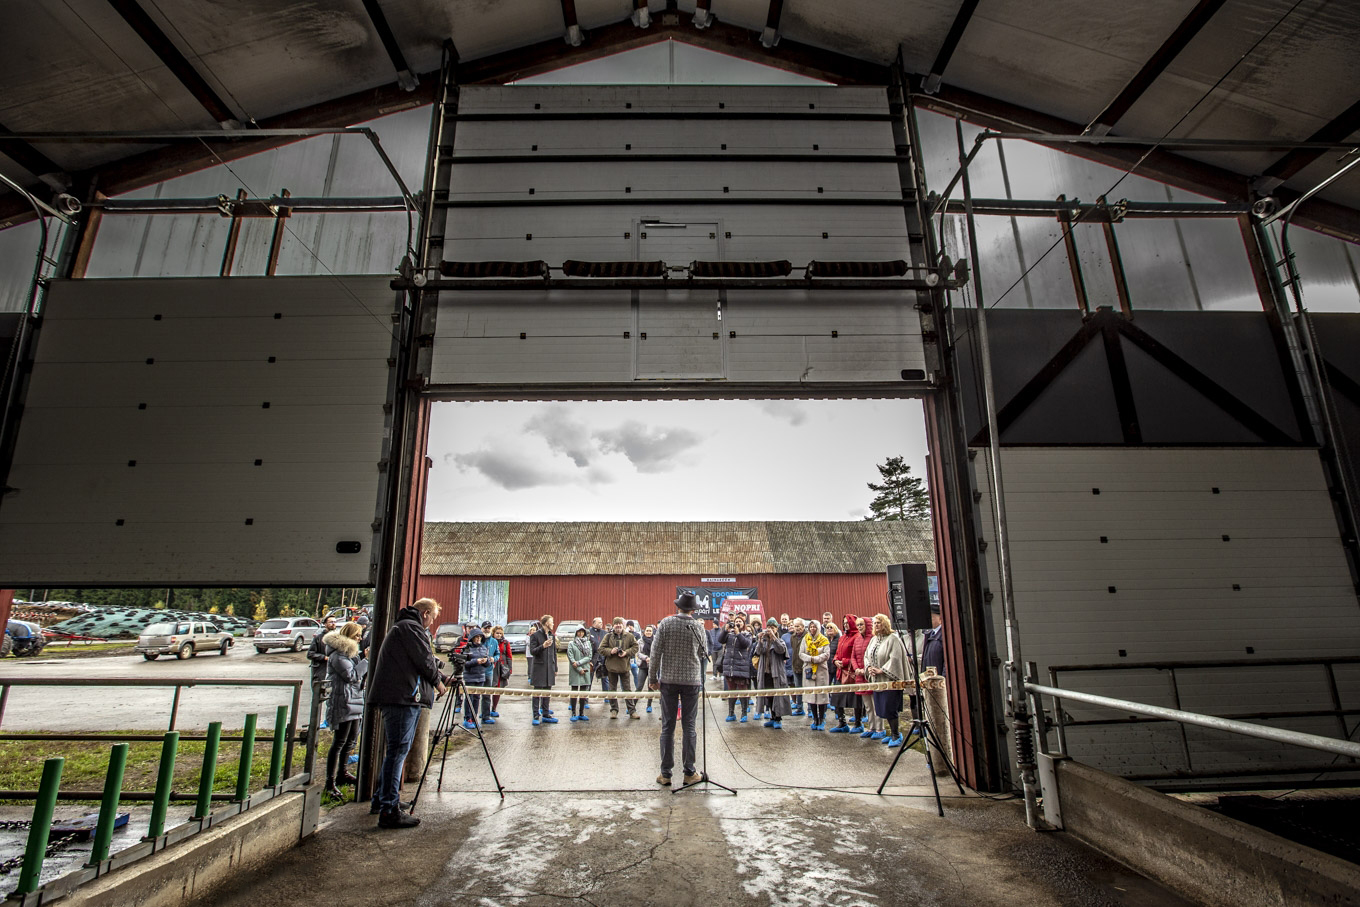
x=678 y=651
x=405 y=680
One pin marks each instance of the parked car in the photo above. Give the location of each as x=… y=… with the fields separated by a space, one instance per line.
x=183 y=639
x=565 y=631
x=286 y=633
x=447 y=636
x=517 y=634
x=22 y=637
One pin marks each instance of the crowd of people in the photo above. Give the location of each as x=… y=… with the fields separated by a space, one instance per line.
x=771 y=664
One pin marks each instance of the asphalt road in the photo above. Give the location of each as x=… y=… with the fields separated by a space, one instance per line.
x=80 y=708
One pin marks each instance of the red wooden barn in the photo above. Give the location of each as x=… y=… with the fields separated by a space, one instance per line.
x=579 y=571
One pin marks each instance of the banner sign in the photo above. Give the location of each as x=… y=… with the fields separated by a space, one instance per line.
x=711 y=600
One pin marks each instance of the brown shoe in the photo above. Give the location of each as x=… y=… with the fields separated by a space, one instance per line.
x=693 y=778
x=664 y=779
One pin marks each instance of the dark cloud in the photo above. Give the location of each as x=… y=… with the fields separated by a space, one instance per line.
x=511 y=471
x=564 y=435
x=648 y=448
x=789 y=411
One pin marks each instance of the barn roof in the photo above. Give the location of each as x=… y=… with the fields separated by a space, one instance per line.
x=650 y=549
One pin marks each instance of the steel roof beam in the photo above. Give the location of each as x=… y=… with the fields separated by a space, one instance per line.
x=1340 y=128
x=405 y=78
x=33 y=160
x=935 y=77
x=176 y=62
x=1155 y=66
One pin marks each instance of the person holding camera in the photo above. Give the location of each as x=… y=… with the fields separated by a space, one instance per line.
x=734 y=660
x=406 y=679
x=771 y=655
x=476 y=673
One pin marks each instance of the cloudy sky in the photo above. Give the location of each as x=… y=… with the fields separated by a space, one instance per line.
x=678 y=460
x=666 y=460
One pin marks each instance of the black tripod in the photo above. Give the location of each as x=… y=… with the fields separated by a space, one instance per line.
x=921 y=729
x=444 y=729
x=703 y=735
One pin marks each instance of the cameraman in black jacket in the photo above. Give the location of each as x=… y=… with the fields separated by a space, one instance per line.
x=405 y=680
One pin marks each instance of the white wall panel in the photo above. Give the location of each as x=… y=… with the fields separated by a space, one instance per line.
x=159 y=443
x=1165 y=585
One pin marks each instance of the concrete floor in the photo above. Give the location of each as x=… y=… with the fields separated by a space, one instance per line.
x=583 y=820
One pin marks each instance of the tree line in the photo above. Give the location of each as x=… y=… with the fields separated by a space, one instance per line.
x=260 y=604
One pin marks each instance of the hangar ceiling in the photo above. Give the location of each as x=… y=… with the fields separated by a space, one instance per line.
x=1240 y=69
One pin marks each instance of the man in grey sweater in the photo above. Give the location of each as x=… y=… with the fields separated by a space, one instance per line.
x=678 y=651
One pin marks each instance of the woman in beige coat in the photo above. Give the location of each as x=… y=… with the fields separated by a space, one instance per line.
x=886 y=659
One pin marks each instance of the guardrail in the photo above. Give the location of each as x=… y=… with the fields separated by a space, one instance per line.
x=209 y=808
x=1327 y=687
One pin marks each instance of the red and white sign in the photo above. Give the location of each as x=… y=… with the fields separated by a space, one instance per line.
x=752 y=608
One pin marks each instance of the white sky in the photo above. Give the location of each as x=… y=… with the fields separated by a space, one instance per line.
x=675 y=460
x=666 y=460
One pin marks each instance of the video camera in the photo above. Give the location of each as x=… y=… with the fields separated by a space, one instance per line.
x=457 y=661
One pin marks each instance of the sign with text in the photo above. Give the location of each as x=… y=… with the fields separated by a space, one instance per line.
x=711 y=600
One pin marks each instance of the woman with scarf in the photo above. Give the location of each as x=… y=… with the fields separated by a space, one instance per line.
x=771 y=655
x=644 y=658
x=579 y=653
x=844 y=659
x=813 y=654
x=886 y=659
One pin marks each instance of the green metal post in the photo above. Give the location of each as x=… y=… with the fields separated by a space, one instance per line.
x=108 y=808
x=205 y=780
x=165 y=780
x=36 y=850
x=276 y=751
x=247 y=757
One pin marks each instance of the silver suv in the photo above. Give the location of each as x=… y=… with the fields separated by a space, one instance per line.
x=182 y=638
x=286 y=633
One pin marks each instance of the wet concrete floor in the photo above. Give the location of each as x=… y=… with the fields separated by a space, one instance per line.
x=583 y=820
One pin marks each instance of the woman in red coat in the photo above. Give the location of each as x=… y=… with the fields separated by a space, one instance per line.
x=863 y=701
x=845 y=668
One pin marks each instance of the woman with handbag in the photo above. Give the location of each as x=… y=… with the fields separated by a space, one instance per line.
x=505 y=666
x=579 y=654
x=813 y=653
x=886 y=659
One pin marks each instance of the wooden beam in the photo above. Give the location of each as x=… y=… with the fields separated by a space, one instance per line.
x=1338 y=129
x=935 y=77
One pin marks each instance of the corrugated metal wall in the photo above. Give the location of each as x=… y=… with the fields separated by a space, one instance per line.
x=648 y=599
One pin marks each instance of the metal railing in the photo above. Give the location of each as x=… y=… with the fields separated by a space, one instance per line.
x=210 y=808
x=1138 y=712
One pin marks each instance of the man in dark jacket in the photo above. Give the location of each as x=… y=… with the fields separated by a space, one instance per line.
x=317 y=654
x=932 y=643
x=597 y=633
x=405 y=680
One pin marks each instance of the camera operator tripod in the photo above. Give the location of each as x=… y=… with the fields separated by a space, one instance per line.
x=448 y=723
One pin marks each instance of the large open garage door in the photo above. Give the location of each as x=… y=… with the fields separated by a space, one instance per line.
x=774 y=178
x=201 y=432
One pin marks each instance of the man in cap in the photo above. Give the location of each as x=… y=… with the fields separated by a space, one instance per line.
x=932 y=642
x=678 y=649
x=619 y=647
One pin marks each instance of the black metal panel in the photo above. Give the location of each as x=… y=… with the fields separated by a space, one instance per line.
x=1174 y=378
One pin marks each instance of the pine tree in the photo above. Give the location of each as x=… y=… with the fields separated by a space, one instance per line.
x=901 y=496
